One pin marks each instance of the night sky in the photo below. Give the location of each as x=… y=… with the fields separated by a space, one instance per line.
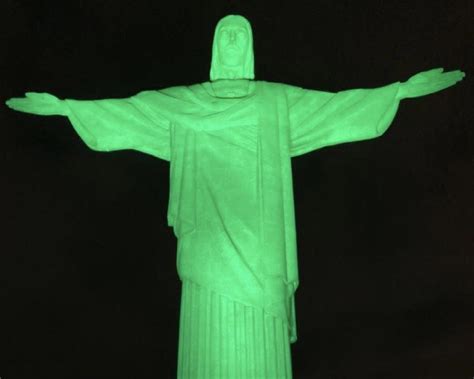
x=89 y=287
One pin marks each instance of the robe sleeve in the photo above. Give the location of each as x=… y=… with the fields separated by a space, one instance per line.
x=140 y=122
x=319 y=119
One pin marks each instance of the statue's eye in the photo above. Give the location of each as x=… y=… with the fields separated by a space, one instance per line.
x=242 y=35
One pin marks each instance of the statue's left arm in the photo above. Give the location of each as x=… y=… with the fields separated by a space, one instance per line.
x=319 y=119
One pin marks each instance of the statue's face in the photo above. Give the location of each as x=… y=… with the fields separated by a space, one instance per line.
x=232 y=41
x=232 y=49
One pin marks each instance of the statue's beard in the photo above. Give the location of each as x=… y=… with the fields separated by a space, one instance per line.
x=232 y=72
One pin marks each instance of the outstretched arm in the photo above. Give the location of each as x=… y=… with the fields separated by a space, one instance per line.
x=139 y=122
x=319 y=119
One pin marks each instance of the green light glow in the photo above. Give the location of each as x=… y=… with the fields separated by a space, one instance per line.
x=229 y=142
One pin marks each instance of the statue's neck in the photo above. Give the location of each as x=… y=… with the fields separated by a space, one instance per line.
x=229 y=88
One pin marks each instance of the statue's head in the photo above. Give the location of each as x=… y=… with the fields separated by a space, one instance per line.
x=232 y=49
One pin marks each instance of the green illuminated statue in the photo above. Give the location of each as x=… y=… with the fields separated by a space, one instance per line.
x=229 y=142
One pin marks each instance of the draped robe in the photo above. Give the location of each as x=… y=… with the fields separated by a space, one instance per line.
x=231 y=196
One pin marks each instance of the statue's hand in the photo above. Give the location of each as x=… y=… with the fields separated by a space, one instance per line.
x=430 y=81
x=43 y=104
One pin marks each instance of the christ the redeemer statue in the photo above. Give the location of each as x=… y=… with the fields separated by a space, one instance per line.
x=229 y=142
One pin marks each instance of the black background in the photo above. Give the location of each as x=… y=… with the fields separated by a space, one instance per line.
x=89 y=285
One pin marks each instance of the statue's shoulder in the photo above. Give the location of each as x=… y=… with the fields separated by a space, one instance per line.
x=174 y=92
x=278 y=86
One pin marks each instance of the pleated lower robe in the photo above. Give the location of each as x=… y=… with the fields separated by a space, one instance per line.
x=222 y=338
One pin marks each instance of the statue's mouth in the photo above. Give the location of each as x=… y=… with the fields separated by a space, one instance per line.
x=233 y=50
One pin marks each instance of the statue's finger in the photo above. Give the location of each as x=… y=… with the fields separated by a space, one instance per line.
x=35 y=95
x=460 y=74
x=448 y=85
x=10 y=104
x=18 y=104
x=437 y=70
x=454 y=75
x=454 y=72
x=14 y=102
x=443 y=85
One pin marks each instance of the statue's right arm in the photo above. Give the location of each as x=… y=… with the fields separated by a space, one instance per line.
x=140 y=122
x=43 y=104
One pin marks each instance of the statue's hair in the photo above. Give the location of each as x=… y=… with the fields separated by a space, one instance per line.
x=244 y=72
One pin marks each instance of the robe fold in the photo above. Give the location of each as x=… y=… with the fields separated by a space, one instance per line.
x=231 y=196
